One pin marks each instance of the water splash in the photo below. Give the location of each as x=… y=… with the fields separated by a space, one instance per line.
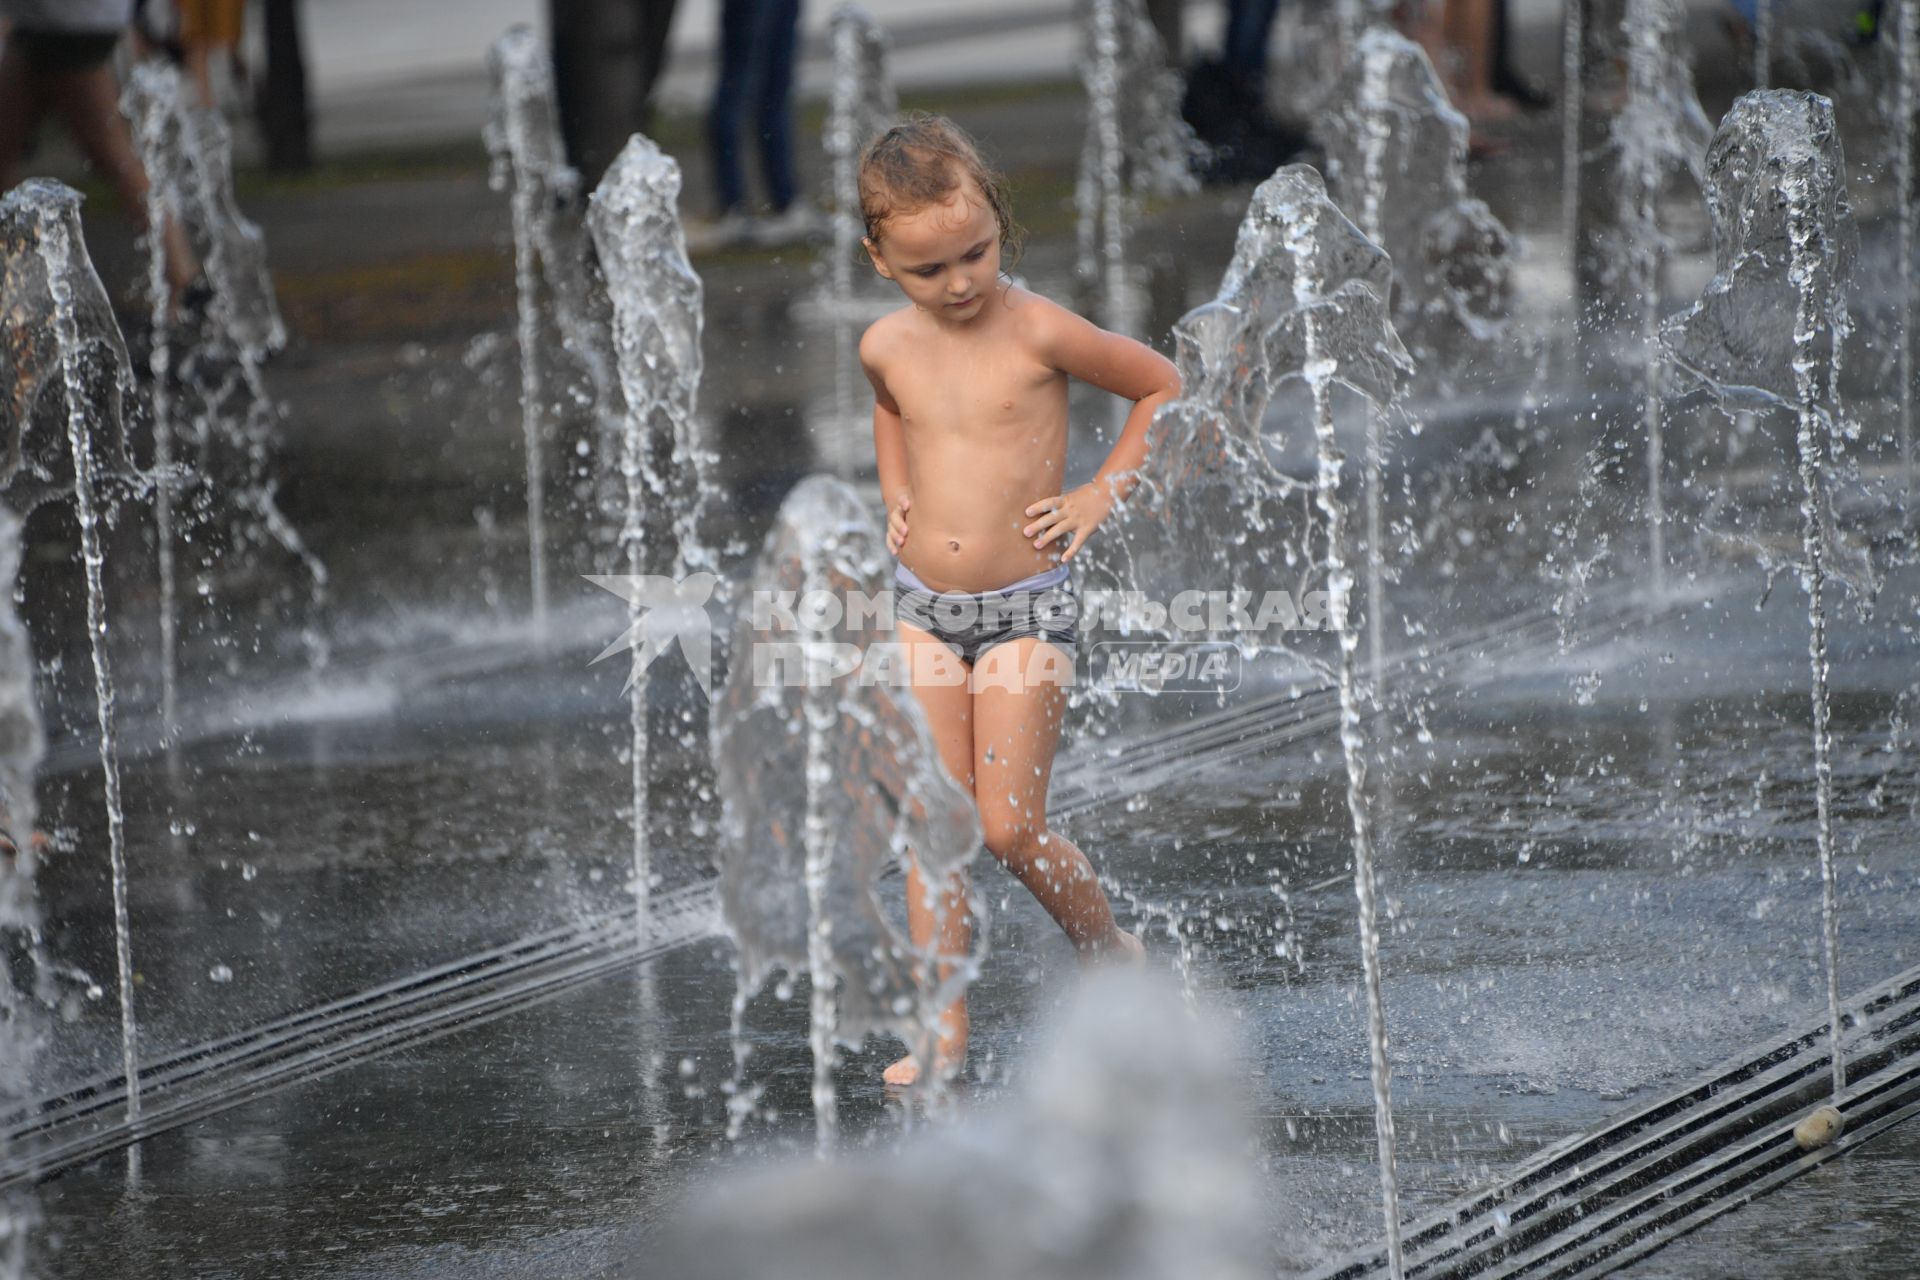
x=1573 y=89
x=1768 y=333
x=22 y=744
x=34 y=464
x=551 y=248
x=657 y=318
x=192 y=150
x=1906 y=100
x=1304 y=297
x=522 y=76
x=65 y=308
x=22 y=740
x=1137 y=144
x=806 y=834
x=1397 y=153
x=1211 y=507
x=861 y=105
x=1312 y=223
x=187 y=152
x=149 y=128
x=1661 y=129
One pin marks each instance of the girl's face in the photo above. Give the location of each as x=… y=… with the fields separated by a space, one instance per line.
x=945 y=257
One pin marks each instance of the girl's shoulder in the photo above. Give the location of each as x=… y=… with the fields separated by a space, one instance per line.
x=1037 y=319
x=883 y=332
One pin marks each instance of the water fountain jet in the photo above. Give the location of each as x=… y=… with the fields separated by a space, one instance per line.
x=861 y=106
x=1767 y=333
x=657 y=321
x=1137 y=144
x=59 y=329
x=1661 y=129
x=210 y=374
x=808 y=828
x=550 y=247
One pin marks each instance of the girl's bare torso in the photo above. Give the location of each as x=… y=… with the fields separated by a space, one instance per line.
x=986 y=433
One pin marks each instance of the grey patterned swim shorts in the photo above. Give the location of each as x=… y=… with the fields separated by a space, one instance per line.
x=970 y=623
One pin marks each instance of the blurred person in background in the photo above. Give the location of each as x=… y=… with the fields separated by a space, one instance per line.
x=757 y=44
x=1468 y=43
x=58 y=59
x=208 y=27
x=1226 y=101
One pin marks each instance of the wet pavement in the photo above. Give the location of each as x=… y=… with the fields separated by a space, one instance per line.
x=1597 y=849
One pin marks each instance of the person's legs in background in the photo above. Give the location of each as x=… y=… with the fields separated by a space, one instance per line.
x=208 y=27
x=23 y=105
x=1249 y=28
x=1507 y=80
x=89 y=102
x=723 y=118
x=1469 y=28
x=779 y=32
x=793 y=219
x=1226 y=101
x=71 y=75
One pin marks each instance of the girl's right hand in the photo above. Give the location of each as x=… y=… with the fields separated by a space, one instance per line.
x=897 y=524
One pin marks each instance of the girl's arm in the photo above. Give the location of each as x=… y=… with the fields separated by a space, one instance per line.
x=889 y=449
x=1081 y=349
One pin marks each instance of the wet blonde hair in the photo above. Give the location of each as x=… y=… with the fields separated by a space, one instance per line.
x=921 y=162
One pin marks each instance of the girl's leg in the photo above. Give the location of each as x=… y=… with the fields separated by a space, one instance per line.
x=1017 y=714
x=940 y=917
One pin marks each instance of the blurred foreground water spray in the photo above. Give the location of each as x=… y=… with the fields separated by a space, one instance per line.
x=1123 y=1157
x=1660 y=129
x=807 y=834
x=1767 y=333
x=861 y=106
x=43 y=219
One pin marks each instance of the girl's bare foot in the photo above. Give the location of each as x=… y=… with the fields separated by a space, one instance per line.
x=907 y=1070
x=950 y=1054
x=38 y=841
x=1487 y=107
x=1122 y=948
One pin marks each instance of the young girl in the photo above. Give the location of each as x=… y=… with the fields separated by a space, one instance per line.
x=970 y=432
